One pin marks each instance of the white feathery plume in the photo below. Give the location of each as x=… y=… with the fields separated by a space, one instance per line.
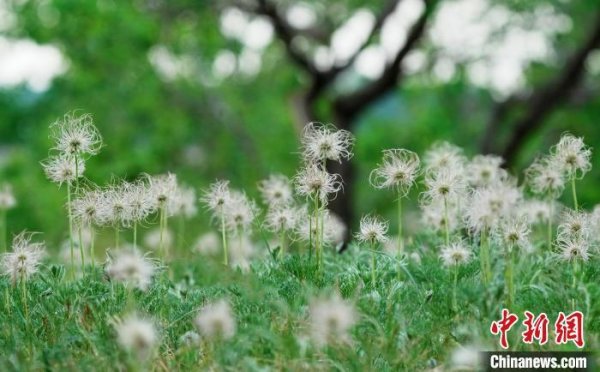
x=216 y=321
x=398 y=169
x=322 y=142
x=25 y=258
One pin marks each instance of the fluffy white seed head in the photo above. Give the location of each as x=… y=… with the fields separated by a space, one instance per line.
x=487 y=206
x=455 y=254
x=398 y=169
x=7 y=198
x=331 y=320
x=484 y=170
x=217 y=196
x=325 y=142
x=216 y=321
x=535 y=211
x=276 y=190
x=573 y=249
x=25 y=258
x=444 y=156
x=87 y=209
x=152 y=239
x=137 y=335
x=572 y=155
x=435 y=217
x=372 y=230
x=239 y=212
x=76 y=135
x=63 y=169
x=163 y=189
x=131 y=268
x=208 y=243
x=189 y=339
x=574 y=225
x=466 y=358
x=184 y=202
x=281 y=219
x=316 y=183
x=443 y=185
x=241 y=251
x=545 y=177
x=514 y=233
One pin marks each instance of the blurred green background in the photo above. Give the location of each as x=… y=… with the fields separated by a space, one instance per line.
x=207 y=90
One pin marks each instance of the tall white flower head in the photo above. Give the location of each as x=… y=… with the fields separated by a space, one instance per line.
x=76 y=135
x=163 y=189
x=139 y=200
x=572 y=155
x=137 y=335
x=455 y=254
x=217 y=196
x=87 y=209
x=131 y=268
x=372 y=230
x=7 y=198
x=216 y=321
x=322 y=142
x=443 y=156
x=281 y=219
x=184 y=202
x=487 y=206
x=545 y=177
x=276 y=190
x=239 y=212
x=331 y=320
x=241 y=250
x=514 y=233
x=444 y=185
x=535 y=211
x=398 y=169
x=115 y=208
x=575 y=225
x=317 y=183
x=573 y=249
x=63 y=169
x=435 y=217
x=484 y=170
x=25 y=258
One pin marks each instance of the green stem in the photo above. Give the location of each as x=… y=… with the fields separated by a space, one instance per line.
x=92 y=241
x=135 y=235
x=4 y=227
x=509 y=276
x=400 y=237
x=550 y=215
x=116 y=237
x=573 y=189
x=446 y=221
x=283 y=243
x=79 y=224
x=25 y=302
x=454 y=301
x=224 y=239
x=373 y=264
x=70 y=230
x=181 y=233
x=484 y=257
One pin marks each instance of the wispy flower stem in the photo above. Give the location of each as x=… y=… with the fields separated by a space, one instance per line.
x=78 y=225
x=116 y=237
x=454 y=301
x=70 y=230
x=574 y=191
x=550 y=216
x=446 y=221
x=400 y=237
x=4 y=227
x=484 y=257
x=224 y=239
x=373 y=264
x=509 y=276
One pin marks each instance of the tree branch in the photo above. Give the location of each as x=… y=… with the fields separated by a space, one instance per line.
x=351 y=104
x=548 y=98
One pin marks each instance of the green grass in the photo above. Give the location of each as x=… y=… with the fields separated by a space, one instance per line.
x=406 y=321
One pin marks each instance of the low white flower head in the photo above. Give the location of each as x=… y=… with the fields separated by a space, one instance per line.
x=372 y=230
x=115 y=207
x=63 y=169
x=316 y=183
x=433 y=215
x=573 y=249
x=76 y=135
x=239 y=212
x=184 y=202
x=131 y=268
x=455 y=254
x=444 y=185
x=331 y=320
x=444 y=156
x=216 y=321
x=276 y=191
x=189 y=339
x=484 y=170
x=152 y=239
x=87 y=209
x=514 y=233
x=208 y=244
x=487 y=206
x=281 y=219
x=163 y=189
x=545 y=177
x=575 y=225
x=7 y=198
x=398 y=169
x=466 y=358
x=217 y=196
x=241 y=251
x=535 y=211
x=335 y=229
x=25 y=258
x=137 y=335
x=322 y=142
x=572 y=155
